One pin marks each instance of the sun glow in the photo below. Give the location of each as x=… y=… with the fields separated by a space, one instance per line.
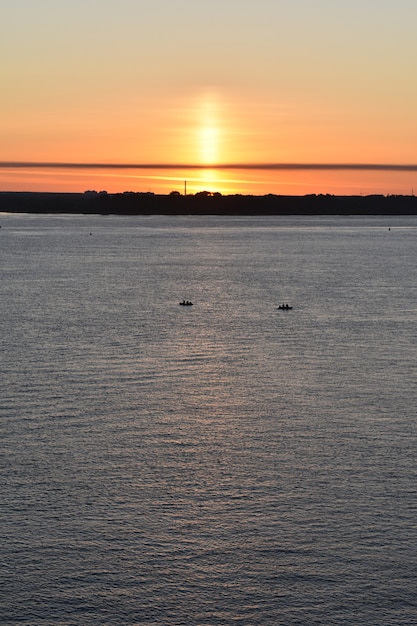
x=209 y=144
x=207 y=139
x=208 y=130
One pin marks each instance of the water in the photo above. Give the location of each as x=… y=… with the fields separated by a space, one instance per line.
x=226 y=463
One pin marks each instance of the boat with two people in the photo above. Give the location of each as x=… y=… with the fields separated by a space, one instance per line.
x=284 y=307
x=186 y=303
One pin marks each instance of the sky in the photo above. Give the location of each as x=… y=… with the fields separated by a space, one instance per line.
x=177 y=83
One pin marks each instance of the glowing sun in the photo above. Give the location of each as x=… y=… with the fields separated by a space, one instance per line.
x=208 y=130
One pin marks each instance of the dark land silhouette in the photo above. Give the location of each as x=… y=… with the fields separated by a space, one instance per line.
x=204 y=203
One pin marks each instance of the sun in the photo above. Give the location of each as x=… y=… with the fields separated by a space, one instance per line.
x=209 y=144
x=208 y=129
x=204 y=137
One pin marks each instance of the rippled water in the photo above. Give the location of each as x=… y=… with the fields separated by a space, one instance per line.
x=226 y=463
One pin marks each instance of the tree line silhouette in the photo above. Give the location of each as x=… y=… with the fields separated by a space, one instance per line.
x=205 y=203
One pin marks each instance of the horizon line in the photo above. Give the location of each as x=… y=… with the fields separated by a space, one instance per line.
x=216 y=166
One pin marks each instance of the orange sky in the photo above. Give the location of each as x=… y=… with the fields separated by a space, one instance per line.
x=230 y=82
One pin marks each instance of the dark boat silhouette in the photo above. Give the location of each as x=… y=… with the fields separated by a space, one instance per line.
x=285 y=307
x=186 y=303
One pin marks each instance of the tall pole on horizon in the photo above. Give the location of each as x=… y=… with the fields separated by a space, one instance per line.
x=185 y=187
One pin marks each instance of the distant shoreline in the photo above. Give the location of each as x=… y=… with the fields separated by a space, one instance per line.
x=203 y=203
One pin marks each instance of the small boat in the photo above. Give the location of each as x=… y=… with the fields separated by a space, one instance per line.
x=285 y=307
x=186 y=303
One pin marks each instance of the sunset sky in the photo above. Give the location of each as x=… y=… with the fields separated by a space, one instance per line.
x=177 y=82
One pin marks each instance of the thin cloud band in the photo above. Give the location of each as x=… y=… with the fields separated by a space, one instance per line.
x=394 y=167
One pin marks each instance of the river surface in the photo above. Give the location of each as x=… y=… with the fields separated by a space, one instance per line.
x=223 y=464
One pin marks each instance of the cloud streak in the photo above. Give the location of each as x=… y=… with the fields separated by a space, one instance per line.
x=389 y=167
